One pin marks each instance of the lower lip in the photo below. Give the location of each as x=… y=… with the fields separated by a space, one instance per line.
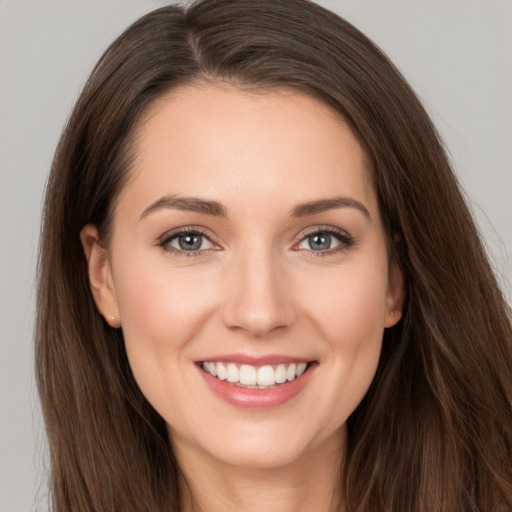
x=247 y=398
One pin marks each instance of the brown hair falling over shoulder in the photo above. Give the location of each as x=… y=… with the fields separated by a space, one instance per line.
x=434 y=432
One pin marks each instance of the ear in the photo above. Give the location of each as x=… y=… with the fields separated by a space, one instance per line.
x=394 y=295
x=100 y=275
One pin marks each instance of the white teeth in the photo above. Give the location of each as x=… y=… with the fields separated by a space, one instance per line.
x=291 y=372
x=247 y=375
x=250 y=376
x=280 y=374
x=301 y=368
x=221 y=371
x=266 y=376
x=233 y=374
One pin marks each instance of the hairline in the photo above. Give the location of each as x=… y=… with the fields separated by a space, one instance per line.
x=133 y=140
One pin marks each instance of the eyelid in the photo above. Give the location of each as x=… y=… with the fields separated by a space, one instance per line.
x=346 y=240
x=164 y=241
x=322 y=228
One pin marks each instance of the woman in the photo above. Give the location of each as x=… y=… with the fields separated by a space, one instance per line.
x=260 y=286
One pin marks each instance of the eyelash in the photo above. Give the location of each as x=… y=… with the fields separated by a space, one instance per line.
x=346 y=241
x=166 y=239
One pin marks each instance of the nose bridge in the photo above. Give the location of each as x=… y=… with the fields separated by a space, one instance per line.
x=257 y=300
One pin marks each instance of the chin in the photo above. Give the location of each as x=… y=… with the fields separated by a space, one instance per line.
x=258 y=445
x=258 y=457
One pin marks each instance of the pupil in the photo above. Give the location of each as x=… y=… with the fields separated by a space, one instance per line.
x=320 y=241
x=190 y=242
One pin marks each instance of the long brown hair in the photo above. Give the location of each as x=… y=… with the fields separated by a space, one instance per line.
x=434 y=432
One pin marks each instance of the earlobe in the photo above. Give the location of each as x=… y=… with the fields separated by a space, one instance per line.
x=100 y=275
x=395 y=295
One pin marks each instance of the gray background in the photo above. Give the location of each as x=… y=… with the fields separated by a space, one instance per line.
x=455 y=53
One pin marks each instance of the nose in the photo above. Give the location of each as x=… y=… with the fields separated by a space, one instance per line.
x=259 y=296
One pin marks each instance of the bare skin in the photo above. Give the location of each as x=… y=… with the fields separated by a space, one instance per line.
x=284 y=489
x=249 y=226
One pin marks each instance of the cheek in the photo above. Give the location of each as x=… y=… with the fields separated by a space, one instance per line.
x=349 y=314
x=162 y=304
x=348 y=303
x=161 y=311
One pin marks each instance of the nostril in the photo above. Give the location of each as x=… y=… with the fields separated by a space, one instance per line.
x=257 y=302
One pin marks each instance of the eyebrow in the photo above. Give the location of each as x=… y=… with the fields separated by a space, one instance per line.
x=322 y=205
x=208 y=207
x=192 y=204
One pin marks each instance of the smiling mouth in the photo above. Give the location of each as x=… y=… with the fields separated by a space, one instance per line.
x=255 y=377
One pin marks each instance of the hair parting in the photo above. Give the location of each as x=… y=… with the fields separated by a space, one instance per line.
x=434 y=432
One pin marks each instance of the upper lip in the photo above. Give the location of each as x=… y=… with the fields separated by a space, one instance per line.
x=255 y=360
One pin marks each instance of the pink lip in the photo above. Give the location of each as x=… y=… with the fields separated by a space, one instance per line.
x=257 y=398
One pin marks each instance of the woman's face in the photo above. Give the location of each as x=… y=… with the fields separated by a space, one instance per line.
x=249 y=238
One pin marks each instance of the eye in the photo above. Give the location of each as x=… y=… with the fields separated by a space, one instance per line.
x=325 y=241
x=319 y=242
x=189 y=241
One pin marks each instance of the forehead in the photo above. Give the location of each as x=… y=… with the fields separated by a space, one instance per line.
x=233 y=145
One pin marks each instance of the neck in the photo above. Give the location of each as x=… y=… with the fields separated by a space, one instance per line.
x=312 y=482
